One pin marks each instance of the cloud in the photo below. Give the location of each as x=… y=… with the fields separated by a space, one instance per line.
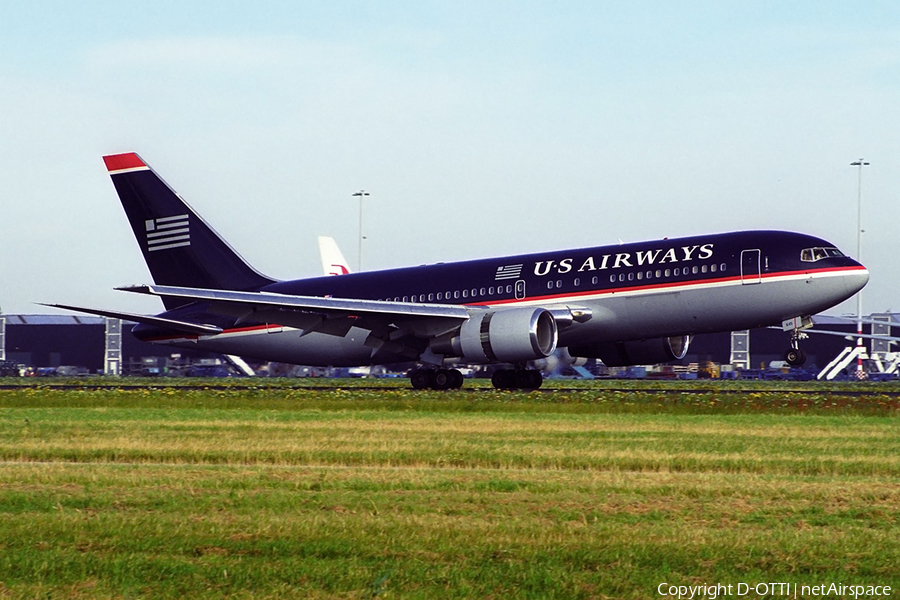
x=214 y=55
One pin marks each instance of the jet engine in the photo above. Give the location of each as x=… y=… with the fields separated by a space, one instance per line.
x=636 y=352
x=512 y=335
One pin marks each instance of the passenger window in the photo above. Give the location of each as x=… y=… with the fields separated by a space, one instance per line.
x=465 y=293
x=549 y=285
x=631 y=277
x=703 y=269
x=612 y=278
x=594 y=281
x=577 y=282
x=712 y=268
x=668 y=272
x=640 y=275
x=695 y=270
x=456 y=294
x=722 y=267
x=658 y=273
x=439 y=295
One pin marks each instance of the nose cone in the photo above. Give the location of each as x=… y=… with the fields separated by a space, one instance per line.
x=856 y=278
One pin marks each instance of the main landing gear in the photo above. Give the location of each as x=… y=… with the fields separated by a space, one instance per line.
x=436 y=379
x=452 y=379
x=512 y=379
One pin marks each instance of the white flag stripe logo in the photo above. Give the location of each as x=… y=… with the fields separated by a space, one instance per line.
x=172 y=225
x=168 y=232
x=162 y=220
x=508 y=272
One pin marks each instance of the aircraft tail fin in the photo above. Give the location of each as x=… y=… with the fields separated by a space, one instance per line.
x=179 y=247
x=333 y=261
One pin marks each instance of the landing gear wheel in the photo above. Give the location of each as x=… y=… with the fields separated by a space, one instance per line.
x=795 y=357
x=420 y=379
x=456 y=379
x=503 y=379
x=443 y=380
x=526 y=379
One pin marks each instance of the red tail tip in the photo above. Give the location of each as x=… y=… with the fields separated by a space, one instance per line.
x=117 y=162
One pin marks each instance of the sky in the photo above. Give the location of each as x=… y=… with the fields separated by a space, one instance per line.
x=478 y=129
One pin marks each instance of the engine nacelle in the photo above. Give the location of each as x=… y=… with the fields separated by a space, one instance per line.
x=512 y=335
x=637 y=352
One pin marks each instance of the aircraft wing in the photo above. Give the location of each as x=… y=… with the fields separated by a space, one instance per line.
x=310 y=303
x=325 y=315
x=183 y=326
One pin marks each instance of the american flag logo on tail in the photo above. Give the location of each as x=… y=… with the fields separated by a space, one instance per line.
x=508 y=272
x=168 y=232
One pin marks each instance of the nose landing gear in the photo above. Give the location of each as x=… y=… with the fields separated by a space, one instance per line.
x=794 y=355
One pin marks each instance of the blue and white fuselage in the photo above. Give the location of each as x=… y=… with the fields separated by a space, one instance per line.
x=634 y=303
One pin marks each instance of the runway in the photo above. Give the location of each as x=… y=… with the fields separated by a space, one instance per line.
x=654 y=387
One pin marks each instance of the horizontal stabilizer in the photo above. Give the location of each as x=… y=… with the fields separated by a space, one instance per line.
x=183 y=326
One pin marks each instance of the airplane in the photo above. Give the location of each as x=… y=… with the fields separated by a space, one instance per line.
x=625 y=304
x=333 y=261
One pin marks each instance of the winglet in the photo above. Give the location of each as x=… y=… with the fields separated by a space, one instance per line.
x=124 y=163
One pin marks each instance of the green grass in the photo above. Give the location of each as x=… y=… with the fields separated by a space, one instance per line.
x=285 y=492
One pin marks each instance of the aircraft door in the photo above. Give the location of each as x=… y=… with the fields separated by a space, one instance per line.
x=750 y=267
x=520 y=289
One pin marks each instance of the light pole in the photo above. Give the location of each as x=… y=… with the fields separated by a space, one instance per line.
x=859 y=164
x=360 y=194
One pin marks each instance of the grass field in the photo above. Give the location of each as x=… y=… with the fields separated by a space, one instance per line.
x=288 y=492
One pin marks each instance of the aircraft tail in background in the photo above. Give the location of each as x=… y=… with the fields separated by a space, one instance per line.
x=333 y=261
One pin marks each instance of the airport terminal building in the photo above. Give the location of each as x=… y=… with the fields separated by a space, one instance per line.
x=80 y=345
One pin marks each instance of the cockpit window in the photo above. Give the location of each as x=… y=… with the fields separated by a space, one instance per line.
x=814 y=254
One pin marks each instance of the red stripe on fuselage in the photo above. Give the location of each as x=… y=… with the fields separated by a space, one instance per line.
x=663 y=286
x=561 y=297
